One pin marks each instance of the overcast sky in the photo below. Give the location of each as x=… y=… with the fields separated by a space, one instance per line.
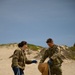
x=37 y=20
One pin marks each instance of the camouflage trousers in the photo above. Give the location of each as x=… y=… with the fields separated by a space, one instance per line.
x=55 y=70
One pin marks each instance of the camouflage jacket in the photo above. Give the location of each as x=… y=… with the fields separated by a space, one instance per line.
x=19 y=59
x=54 y=54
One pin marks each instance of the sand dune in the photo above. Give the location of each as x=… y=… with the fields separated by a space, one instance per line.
x=68 y=67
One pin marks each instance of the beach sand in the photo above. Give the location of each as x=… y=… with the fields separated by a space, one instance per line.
x=68 y=66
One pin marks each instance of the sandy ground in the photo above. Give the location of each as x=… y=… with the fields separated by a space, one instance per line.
x=68 y=67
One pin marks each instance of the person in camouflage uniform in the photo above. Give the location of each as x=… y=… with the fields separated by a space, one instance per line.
x=54 y=58
x=19 y=59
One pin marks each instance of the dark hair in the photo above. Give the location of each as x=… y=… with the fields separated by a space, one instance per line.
x=49 y=40
x=21 y=44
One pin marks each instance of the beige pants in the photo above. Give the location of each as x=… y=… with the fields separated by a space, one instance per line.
x=44 y=69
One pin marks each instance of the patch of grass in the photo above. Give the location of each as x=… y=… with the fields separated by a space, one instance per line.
x=31 y=46
x=72 y=52
x=72 y=48
x=34 y=47
x=8 y=45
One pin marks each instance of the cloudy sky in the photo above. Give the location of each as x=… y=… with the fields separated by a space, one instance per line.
x=37 y=20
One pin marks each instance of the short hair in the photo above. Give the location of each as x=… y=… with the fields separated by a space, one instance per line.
x=49 y=40
x=22 y=43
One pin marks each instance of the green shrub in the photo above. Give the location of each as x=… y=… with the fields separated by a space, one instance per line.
x=72 y=48
x=33 y=47
x=72 y=51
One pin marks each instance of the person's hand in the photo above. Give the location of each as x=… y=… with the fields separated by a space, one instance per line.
x=34 y=61
x=50 y=62
x=22 y=68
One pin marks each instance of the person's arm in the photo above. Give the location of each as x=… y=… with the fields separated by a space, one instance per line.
x=56 y=55
x=29 y=61
x=44 y=57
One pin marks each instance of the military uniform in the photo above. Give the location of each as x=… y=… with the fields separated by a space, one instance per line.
x=54 y=55
x=19 y=59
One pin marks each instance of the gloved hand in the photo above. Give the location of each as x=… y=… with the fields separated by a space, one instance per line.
x=34 y=61
x=50 y=62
